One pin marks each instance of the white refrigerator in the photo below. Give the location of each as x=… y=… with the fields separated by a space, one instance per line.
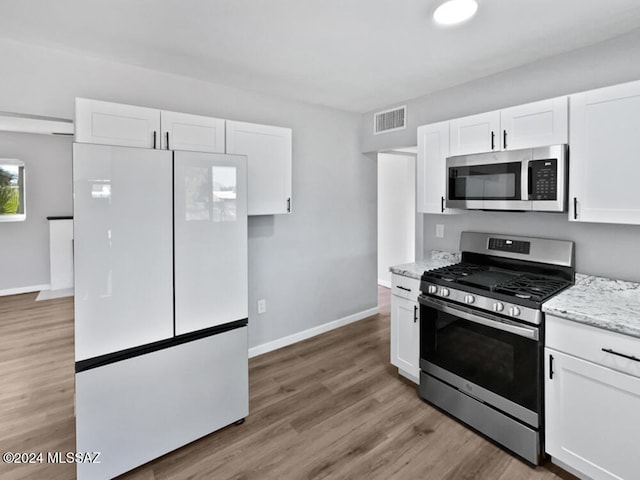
x=161 y=308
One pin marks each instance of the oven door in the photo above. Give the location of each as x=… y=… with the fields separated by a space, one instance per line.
x=492 y=359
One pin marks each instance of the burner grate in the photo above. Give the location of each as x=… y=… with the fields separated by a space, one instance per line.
x=532 y=287
x=455 y=272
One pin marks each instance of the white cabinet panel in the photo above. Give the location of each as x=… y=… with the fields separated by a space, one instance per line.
x=536 y=124
x=183 y=131
x=210 y=239
x=141 y=408
x=604 y=155
x=61 y=253
x=531 y=125
x=405 y=336
x=433 y=150
x=268 y=150
x=123 y=248
x=475 y=133
x=592 y=417
x=116 y=124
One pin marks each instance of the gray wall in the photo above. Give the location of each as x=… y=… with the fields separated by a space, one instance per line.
x=607 y=250
x=312 y=267
x=606 y=63
x=24 y=246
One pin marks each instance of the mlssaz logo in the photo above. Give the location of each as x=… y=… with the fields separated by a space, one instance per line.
x=73 y=457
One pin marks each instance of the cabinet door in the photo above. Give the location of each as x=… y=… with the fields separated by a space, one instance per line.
x=116 y=124
x=433 y=150
x=475 y=133
x=268 y=151
x=405 y=336
x=210 y=232
x=604 y=155
x=592 y=417
x=536 y=124
x=123 y=248
x=183 y=131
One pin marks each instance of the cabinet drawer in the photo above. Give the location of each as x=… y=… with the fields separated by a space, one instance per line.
x=590 y=343
x=405 y=287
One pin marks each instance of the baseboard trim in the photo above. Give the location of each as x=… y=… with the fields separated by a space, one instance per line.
x=384 y=283
x=312 y=332
x=19 y=290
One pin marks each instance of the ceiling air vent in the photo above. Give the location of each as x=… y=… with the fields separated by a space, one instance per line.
x=389 y=120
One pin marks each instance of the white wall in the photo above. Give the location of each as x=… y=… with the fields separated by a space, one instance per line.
x=312 y=267
x=601 y=249
x=396 y=212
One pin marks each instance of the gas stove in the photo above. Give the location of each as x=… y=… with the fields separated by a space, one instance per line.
x=482 y=335
x=507 y=275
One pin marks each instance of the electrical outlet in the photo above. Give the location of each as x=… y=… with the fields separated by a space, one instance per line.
x=262 y=305
x=439 y=230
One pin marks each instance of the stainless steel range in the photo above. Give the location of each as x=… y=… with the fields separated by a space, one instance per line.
x=482 y=331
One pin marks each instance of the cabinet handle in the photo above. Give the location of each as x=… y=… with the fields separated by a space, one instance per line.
x=613 y=352
x=493 y=140
x=442 y=204
x=575 y=208
x=289 y=205
x=167 y=135
x=504 y=139
x=404 y=288
x=415 y=313
x=155 y=134
x=550 y=367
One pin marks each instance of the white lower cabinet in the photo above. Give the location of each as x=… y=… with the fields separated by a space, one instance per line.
x=405 y=326
x=592 y=415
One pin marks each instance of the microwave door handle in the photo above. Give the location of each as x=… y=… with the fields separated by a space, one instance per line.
x=487 y=321
x=525 y=186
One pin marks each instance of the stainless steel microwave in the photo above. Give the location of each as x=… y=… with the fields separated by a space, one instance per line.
x=532 y=179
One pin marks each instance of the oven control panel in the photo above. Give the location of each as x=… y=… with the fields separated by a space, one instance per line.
x=506 y=245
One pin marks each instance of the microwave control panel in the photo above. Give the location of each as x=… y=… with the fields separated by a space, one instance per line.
x=543 y=179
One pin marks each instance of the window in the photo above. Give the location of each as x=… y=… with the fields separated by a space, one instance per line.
x=12 y=205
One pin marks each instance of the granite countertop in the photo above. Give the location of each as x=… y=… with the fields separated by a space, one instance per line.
x=415 y=270
x=600 y=302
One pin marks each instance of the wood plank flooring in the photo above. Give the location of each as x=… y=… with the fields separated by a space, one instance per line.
x=329 y=407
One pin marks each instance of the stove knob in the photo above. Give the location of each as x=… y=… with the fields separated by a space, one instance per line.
x=444 y=292
x=469 y=299
x=498 y=307
x=514 y=311
x=432 y=289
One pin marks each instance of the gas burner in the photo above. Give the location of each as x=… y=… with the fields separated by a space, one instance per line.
x=534 y=287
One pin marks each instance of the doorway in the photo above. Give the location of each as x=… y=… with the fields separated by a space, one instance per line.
x=396 y=212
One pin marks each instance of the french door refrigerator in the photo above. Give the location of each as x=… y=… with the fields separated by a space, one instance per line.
x=161 y=309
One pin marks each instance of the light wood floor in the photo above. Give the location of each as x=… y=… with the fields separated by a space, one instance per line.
x=328 y=407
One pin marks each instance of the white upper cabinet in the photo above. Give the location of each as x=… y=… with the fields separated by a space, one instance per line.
x=196 y=133
x=433 y=149
x=116 y=124
x=132 y=126
x=536 y=124
x=604 y=155
x=530 y=125
x=475 y=133
x=268 y=150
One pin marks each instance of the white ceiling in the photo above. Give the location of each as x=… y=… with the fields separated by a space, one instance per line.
x=355 y=55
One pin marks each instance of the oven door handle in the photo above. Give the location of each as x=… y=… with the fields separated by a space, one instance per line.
x=482 y=319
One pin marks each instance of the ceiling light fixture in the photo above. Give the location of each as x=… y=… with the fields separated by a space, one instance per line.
x=455 y=11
